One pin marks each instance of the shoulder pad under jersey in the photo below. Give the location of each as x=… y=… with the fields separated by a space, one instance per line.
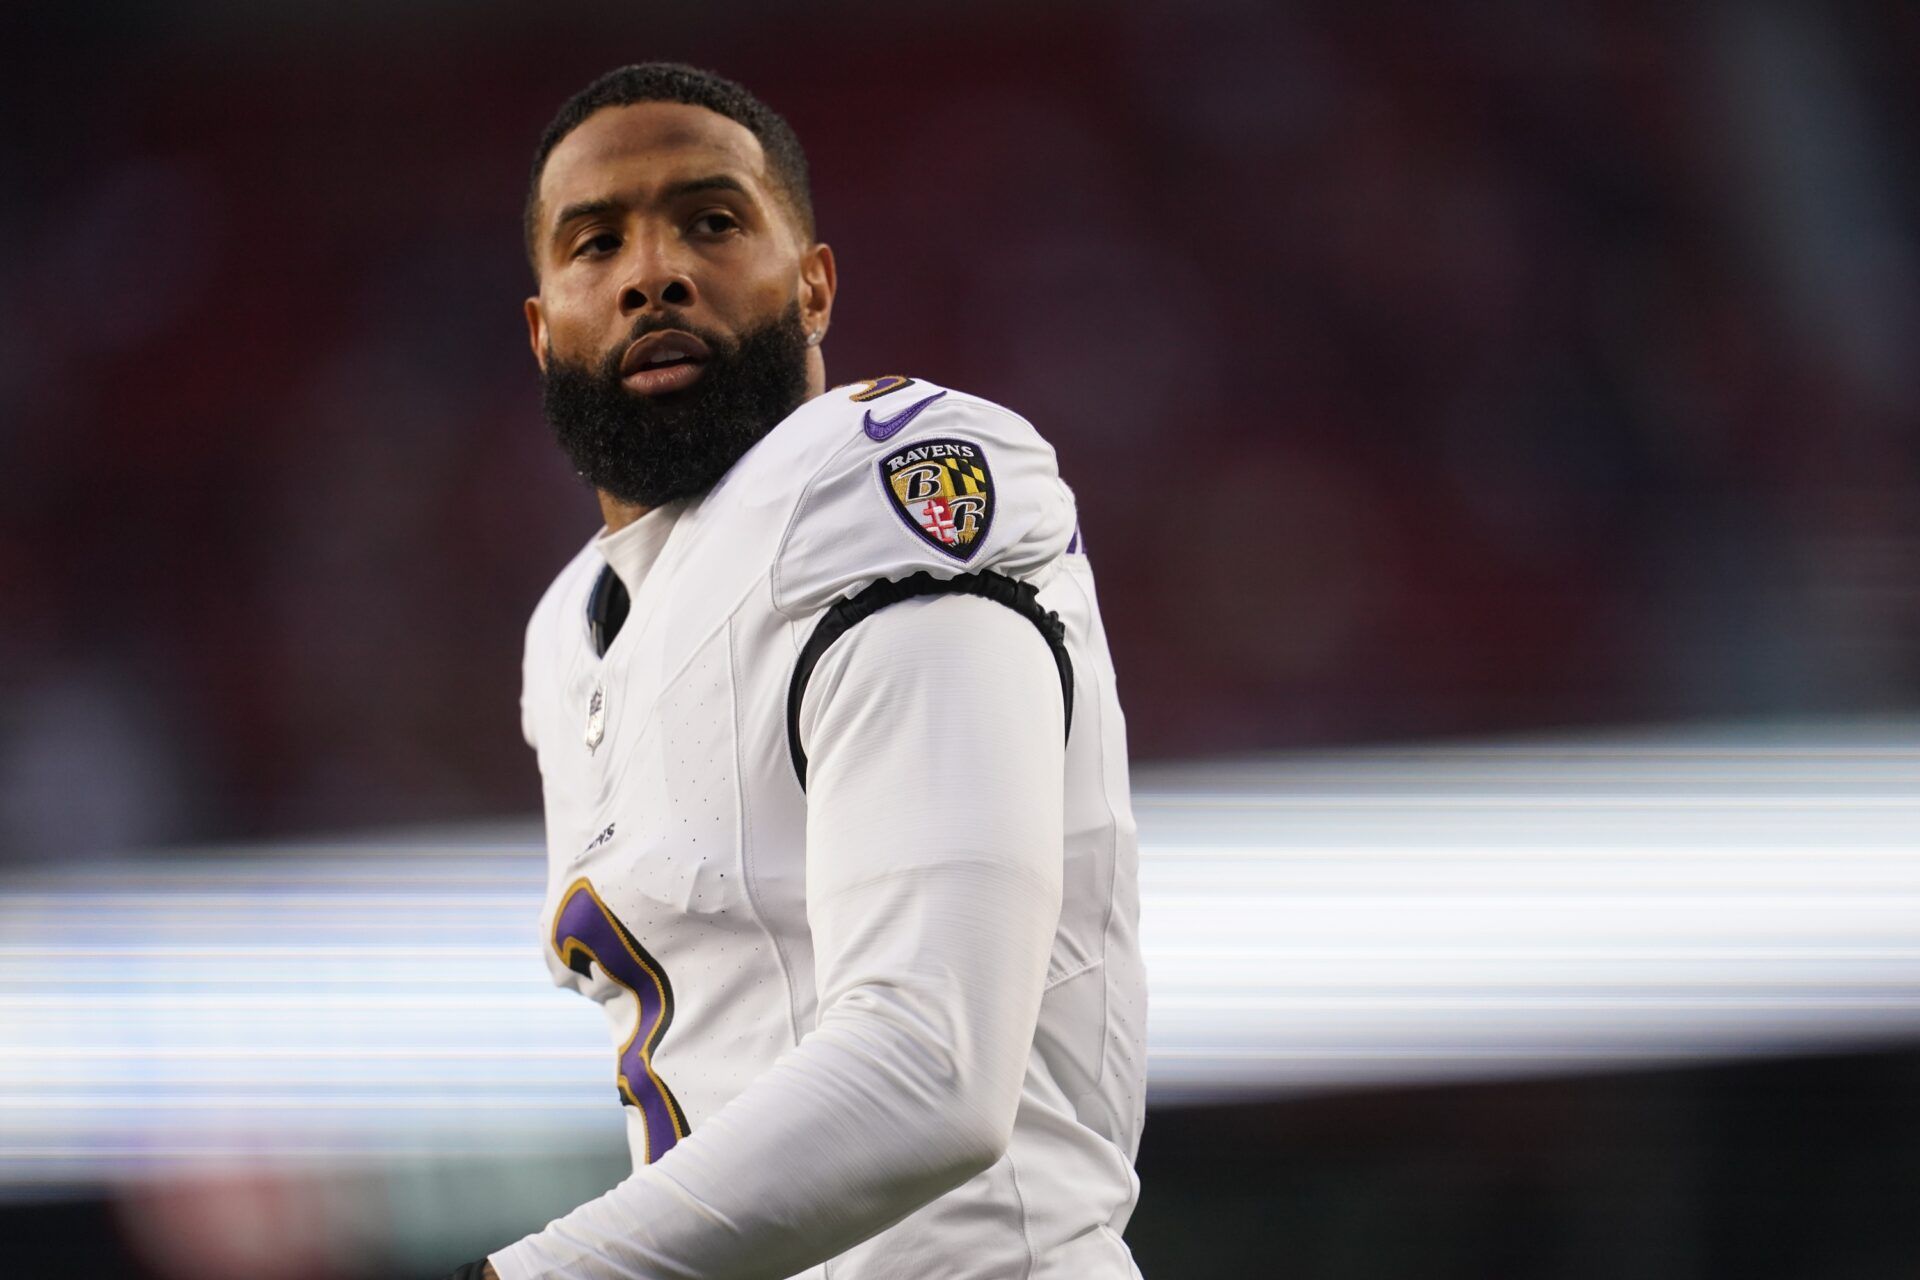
x=920 y=477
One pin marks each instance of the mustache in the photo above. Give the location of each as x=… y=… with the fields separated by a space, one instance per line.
x=654 y=322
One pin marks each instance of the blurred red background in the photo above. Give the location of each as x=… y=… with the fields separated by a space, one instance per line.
x=1422 y=370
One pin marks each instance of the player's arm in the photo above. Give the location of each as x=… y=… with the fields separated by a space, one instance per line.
x=934 y=734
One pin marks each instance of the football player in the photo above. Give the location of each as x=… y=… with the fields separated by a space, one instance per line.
x=835 y=777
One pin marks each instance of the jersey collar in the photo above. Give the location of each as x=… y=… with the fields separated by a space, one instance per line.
x=632 y=550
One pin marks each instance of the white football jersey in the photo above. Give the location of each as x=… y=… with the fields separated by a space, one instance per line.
x=678 y=837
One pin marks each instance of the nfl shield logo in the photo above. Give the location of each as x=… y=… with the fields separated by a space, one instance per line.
x=596 y=718
x=944 y=492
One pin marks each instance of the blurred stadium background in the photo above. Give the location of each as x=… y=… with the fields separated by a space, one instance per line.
x=1496 y=431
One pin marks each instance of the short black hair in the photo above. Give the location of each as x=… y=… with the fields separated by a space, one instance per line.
x=677 y=82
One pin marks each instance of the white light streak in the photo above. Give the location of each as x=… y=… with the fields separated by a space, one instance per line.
x=1371 y=918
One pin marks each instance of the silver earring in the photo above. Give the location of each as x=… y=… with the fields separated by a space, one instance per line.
x=813 y=339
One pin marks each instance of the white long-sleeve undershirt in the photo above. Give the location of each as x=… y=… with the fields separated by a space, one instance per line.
x=934 y=733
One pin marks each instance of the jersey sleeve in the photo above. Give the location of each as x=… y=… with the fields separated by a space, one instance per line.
x=957 y=485
x=934 y=837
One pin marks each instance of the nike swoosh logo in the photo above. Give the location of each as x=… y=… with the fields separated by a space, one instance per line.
x=881 y=428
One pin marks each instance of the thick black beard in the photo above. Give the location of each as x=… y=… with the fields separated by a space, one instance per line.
x=649 y=450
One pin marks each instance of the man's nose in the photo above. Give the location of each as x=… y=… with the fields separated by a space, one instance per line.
x=655 y=278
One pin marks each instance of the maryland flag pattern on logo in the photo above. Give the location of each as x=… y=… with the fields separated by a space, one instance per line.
x=944 y=492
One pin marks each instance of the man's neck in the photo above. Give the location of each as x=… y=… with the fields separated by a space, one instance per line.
x=618 y=514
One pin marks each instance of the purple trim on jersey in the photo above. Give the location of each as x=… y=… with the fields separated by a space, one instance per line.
x=584 y=930
x=883 y=428
x=1073 y=543
x=877 y=387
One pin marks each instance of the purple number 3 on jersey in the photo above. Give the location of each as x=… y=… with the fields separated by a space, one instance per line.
x=585 y=933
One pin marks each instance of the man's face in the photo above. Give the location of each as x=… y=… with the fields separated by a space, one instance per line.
x=676 y=296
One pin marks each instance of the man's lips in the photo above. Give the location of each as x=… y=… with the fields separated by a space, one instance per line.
x=664 y=360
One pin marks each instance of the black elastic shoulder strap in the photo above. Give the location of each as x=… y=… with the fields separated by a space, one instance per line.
x=1021 y=597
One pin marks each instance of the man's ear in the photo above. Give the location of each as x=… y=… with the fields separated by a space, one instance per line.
x=818 y=282
x=537 y=333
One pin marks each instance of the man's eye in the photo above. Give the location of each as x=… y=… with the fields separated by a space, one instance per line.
x=605 y=242
x=717 y=222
